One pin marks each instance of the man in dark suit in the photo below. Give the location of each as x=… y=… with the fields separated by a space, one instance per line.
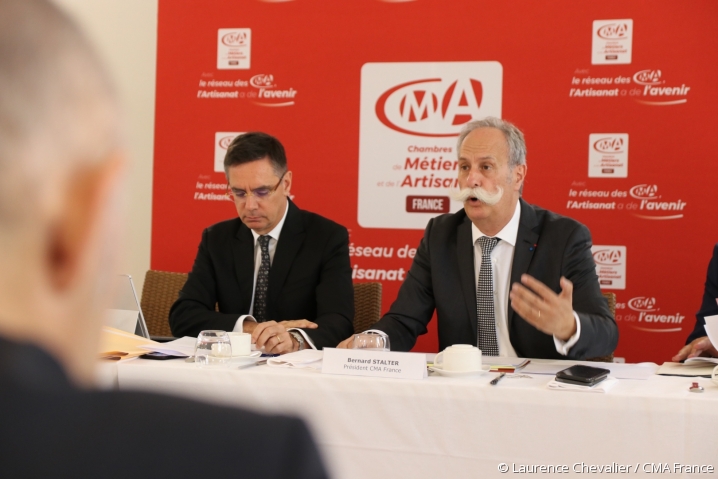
x=538 y=294
x=698 y=343
x=59 y=251
x=278 y=272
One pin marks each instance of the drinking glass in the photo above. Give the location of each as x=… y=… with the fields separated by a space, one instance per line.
x=213 y=348
x=372 y=340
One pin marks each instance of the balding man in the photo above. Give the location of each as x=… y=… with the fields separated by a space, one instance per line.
x=512 y=278
x=60 y=167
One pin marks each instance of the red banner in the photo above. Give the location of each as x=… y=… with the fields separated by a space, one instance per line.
x=615 y=99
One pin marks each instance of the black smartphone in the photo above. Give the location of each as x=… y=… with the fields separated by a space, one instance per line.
x=582 y=375
x=158 y=356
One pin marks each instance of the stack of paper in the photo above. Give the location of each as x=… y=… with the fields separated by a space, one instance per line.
x=305 y=359
x=118 y=345
x=181 y=347
x=602 y=387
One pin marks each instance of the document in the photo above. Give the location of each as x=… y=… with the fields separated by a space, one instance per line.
x=693 y=369
x=182 y=347
x=120 y=345
x=618 y=370
x=304 y=359
x=602 y=387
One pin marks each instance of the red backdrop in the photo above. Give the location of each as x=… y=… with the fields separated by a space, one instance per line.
x=295 y=70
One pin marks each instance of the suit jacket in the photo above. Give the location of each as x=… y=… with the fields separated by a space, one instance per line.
x=50 y=428
x=442 y=278
x=310 y=278
x=710 y=293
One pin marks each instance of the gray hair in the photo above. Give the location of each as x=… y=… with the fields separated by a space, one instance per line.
x=57 y=106
x=514 y=137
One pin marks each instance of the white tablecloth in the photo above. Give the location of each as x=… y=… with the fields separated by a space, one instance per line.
x=454 y=428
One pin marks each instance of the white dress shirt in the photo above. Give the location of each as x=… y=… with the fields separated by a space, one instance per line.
x=502 y=258
x=272 y=247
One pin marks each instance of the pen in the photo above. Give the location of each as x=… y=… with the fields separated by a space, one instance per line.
x=257 y=363
x=498 y=378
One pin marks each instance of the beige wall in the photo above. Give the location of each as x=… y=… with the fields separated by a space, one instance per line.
x=125 y=33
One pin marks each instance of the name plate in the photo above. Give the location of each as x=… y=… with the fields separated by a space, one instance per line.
x=379 y=364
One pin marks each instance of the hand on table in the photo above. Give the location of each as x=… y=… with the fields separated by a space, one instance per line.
x=347 y=343
x=697 y=347
x=547 y=311
x=274 y=338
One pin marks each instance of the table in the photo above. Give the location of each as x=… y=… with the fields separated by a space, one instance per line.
x=462 y=427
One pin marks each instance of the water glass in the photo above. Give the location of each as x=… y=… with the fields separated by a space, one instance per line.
x=372 y=340
x=213 y=348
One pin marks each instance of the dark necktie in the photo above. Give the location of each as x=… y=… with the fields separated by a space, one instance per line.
x=260 y=290
x=485 y=300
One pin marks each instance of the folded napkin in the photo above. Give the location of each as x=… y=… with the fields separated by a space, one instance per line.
x=602 y=387
x=305 y=359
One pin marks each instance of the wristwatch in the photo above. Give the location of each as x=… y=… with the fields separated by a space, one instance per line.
x=299 y=338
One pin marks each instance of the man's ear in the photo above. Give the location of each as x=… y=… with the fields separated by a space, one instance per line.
x=84 y=200
x=519 y=176
x=287 y=181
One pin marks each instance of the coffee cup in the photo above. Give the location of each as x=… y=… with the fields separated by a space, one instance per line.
x=241 y=343
x=459 y=358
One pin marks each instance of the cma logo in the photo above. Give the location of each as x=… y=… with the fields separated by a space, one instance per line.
x=613 y=31
x=645 y=192
x=642 y=304
x=262 y=80
x=235 y=39
x=609 y=145
x=430 y=107
x=607 y=257
x=648 y=77
x=225 y=141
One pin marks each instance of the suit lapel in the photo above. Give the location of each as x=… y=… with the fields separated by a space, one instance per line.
x=524 y=250
x=243 y=251
x=465 y=261
x=289 y=244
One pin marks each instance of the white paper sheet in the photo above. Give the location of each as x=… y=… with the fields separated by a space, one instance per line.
x=712 y=329
x=602 y=387
x=618 y=370
x=179 y=347
x=304 y=359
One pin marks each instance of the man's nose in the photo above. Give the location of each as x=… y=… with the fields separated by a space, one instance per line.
x=252 y=202
x=474 y=178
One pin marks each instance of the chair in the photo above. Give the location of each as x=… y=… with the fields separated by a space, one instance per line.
x=367 y=305
x=611 y=299
x=159 y=292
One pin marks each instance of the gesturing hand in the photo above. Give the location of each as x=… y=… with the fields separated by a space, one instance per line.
x=697 y=347
x=547 y=311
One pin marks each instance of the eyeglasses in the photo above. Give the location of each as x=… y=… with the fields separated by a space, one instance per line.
x=258 y=193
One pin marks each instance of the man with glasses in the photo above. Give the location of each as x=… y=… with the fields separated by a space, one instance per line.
x=60 y=249
x=277 y=272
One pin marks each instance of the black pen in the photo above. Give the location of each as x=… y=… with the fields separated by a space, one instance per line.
x=498 y=378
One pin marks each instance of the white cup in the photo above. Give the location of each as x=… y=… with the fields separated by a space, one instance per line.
x=459 y=358
x=241 y=343
x=714 y=376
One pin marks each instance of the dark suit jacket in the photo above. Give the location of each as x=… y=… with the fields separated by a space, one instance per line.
x=310 y=279
x=710 y=293
x=442 y=278
x=49 y=428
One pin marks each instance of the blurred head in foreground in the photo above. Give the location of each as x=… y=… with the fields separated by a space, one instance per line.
x=60 y=168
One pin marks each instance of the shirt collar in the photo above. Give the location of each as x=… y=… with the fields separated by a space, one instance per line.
x=277 y=229
x=507 y=234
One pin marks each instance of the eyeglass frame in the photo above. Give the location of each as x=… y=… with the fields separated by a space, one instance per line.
x=231 y=191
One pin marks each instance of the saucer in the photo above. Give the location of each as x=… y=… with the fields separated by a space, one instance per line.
x=455 y=374
x=253 y=354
